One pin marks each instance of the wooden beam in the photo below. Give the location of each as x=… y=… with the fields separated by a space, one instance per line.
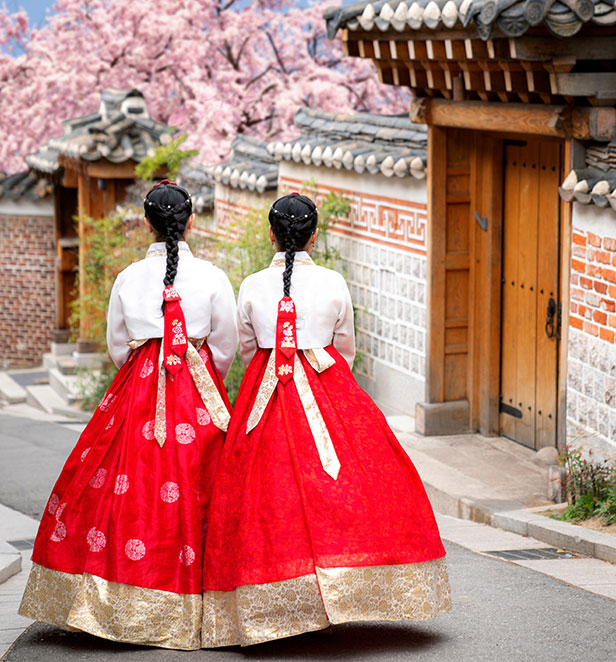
x=583 y=48
x=583 y=84
x=435 y=341
x=501 y=117
x=69 y=179
x=593 y=123
x=108 y=170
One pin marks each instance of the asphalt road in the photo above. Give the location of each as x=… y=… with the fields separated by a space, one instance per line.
x=32 y=453
x=501 y=612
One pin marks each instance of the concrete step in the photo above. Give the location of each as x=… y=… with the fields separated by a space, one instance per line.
x=10 y=561
x=45 y=398
x=66 y=386
x=66 y=365
x=10 y=390
x=63 y=349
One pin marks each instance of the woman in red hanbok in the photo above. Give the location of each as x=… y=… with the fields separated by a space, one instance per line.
x=119 y=549
x=318 y=515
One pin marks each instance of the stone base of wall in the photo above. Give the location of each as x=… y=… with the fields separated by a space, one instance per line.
x=591 y=393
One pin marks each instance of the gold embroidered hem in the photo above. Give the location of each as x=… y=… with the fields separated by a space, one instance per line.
x=111 y=610
x=254 y=614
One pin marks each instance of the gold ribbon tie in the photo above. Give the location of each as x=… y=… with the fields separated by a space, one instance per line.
x=320 y=360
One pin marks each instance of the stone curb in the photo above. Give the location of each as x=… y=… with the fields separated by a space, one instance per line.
x=10 y=561
x=558 y=534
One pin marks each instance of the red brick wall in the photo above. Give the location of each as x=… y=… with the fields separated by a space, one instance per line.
x=593 y=285
x=27 y=289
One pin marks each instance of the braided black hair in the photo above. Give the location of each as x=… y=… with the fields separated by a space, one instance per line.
x=294 y=220
x=168 y=207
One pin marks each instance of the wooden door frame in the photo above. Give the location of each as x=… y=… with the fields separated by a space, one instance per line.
x=480 y=411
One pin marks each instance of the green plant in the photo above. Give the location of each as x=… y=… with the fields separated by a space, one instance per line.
x=607 y=508
x=166 y=158
x=93 y=384
x=590 y=487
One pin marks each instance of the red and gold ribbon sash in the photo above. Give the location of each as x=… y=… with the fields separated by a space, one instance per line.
x=175 y=341
x=319 y=360
x=286 y=339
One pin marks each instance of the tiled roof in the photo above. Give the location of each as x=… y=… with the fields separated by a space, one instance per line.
x=198 y=181
x=250 y=166
x=386 y=144
x=512 y=17
x=596 y=183
x=119 y=131
x=23 y=186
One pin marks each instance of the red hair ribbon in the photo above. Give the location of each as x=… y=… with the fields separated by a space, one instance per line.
x=175 y=342
x=286 y=339
x=165 y=181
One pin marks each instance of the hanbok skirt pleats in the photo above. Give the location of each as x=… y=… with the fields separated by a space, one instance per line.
x=291 y=549
x=119 y=551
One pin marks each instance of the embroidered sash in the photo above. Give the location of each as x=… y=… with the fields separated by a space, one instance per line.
x=320 y=360
x=203 y=381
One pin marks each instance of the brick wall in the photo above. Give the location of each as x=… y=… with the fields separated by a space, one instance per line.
x=593 y=285
x=591 y=379
x=27 y=289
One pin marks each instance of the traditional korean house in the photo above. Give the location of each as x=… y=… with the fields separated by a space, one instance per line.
x=248 y=179
x=378 y=164
x=511 y=92
x=88 y=169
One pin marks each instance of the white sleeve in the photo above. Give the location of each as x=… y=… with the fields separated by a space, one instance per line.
x=117 y=332
x=344 y=331
x=248 y=337
x=222 y=340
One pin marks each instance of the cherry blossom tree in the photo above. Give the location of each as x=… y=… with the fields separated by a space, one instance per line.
x=212 y=68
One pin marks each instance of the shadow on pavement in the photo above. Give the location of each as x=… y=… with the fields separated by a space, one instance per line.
x=46 y=643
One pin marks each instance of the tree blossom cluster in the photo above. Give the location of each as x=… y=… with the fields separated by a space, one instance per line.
x=212 y=68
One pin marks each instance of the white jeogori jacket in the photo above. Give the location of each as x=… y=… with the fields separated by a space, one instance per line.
x=208 y=303
x=322 y=300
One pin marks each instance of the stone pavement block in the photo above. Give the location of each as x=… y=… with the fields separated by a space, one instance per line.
x=590 y=574
x=16 y=526
x=10 y=390
x=608 y=590
x=487 y=539
x=10 y=561
x=8 y=636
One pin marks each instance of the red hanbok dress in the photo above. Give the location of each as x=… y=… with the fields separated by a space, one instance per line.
x=318 y=514
x=119 y=549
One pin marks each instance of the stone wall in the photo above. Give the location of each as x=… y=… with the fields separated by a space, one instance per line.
x=27 y=286
x=591 y=379
x=382 y=245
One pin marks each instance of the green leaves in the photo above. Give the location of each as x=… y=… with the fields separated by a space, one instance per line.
x=165 y=161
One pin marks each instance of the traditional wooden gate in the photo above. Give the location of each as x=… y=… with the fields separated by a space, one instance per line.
x=530 y=320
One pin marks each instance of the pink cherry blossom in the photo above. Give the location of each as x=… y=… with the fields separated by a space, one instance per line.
x=211 y=68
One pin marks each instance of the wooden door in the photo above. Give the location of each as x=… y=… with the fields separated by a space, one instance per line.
x=530 y=293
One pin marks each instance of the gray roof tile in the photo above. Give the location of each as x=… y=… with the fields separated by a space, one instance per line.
x=361 y=142
x=512 y=17
x=119 y=131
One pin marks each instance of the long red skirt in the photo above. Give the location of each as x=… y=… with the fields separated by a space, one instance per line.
x=290 y=549
x=120 y=546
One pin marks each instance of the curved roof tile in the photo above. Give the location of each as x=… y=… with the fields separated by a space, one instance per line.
x=513 y=17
